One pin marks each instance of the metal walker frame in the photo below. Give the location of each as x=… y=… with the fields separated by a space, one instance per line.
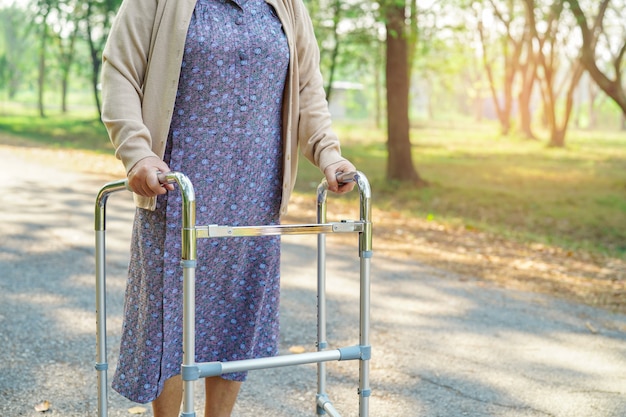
x=192 y=371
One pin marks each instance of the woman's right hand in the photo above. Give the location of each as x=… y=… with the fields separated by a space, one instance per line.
x=143 y=180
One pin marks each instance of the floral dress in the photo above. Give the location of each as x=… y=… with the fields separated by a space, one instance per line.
x=225 y=136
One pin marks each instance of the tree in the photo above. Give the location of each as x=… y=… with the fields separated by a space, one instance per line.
x=551 y=43
x=614 y=87
x=346 y=33
x=43 y=9
x=15 y=54
x=354 y=17
x=399 y=160
x=512 y=41
x=336 y=19
x=450 y=72
x=528 y=75
x=97 y=18
x=64 y=35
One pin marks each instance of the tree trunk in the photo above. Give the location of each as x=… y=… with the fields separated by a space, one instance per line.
x=94 y=81
x=557 y=138
x=66 y=58
x=505 y=122
x=511 y=67
x=399 y=161
x=41 y=83
x=525 y=113
x=528 y=72
x=95 y=60
x=41 y=79
x=64 y=88
x=335 y=51
x=593 y=116
x=378 y=85
x=558 y=130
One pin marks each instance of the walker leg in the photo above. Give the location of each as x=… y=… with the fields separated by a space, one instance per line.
x=322 y=343
x=364 y=340
x=101 y=344
x=365 y=253
x=189 y=337
x=101 y=330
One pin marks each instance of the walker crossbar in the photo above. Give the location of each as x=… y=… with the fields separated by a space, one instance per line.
x=191 y=371
x=207 y=369
x=204 y=232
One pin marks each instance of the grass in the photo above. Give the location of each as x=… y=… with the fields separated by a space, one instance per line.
x=84 y=131
x=574 y=197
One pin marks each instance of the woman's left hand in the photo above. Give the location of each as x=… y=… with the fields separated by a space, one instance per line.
x=331 y=172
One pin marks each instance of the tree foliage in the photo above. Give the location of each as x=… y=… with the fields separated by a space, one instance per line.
x=528 y=60
x=599 y=36
x=16 y=55
x=58 y=29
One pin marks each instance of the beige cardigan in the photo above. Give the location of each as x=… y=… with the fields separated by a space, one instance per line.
x=141 y=67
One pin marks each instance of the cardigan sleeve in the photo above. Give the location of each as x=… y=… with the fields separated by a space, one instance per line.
x=125 y=59
x=316 y=139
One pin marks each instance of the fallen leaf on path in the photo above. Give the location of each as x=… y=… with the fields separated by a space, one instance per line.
x=137 y=410
x=591 y=328
x=297 y=349
x=42 y=407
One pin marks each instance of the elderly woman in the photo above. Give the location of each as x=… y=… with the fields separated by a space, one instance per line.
x=228 y=92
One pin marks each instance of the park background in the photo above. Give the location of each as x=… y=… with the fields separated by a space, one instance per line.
x=493 y=132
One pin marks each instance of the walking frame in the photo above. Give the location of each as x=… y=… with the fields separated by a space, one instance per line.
x=192 y=371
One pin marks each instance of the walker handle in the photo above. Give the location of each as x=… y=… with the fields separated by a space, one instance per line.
x=345 y=177
x=163 y=179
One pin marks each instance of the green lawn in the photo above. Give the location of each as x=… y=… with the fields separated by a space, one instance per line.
x=573 y=197
x=83 y=132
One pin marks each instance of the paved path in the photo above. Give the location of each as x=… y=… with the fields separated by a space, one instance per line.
x=444 y=345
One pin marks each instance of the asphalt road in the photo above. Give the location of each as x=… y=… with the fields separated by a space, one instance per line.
x=443 y=345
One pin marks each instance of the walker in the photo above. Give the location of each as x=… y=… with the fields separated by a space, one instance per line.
x=192 y=371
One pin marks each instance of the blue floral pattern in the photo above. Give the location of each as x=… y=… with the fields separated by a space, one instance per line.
x=226 y=136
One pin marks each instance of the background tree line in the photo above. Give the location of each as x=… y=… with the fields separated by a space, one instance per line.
x=529 y=62
x=47 y=44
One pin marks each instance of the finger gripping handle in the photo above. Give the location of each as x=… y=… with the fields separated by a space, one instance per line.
x=346 y=177
x=164 y=178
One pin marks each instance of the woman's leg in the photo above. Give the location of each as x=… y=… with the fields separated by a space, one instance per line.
x=221 y=395
x=168 y=403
